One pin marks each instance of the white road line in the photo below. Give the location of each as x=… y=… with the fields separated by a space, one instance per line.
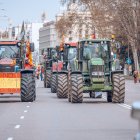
x=125 y=106
x=27 y=106
x=10 y=138
x=17 y=126
x=122 y=105
x=22 y=117
x=25 y=111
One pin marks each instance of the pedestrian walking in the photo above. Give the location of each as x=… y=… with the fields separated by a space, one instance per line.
x=41 y=73
x=135 y=75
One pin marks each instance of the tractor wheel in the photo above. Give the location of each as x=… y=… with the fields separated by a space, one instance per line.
x=76 y=88
x=62 y=86
x=45 y=86
x=28 y=89
x=53 y=84
x=118 y=88
x=69 y=94
x=48 y=79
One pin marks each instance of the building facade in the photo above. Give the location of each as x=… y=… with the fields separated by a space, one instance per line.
x=47 y=37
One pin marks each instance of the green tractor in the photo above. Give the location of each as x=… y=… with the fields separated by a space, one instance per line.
x=94 y=73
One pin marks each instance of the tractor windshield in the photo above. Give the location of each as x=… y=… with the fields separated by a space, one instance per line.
x=72 y=52
x=9 y=51
x=95 y=50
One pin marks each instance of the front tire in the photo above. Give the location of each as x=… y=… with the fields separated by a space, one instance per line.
x=76 y=88
x=62 y=86
x=53 y=84
x=118 y=88
x=28 y=88
x=48 y=79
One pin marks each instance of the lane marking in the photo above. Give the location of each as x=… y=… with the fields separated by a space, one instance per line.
x=125 y=106
x=17 y=126
x=27 y=106
x=25 y=111
x=10 y=138
x=122 y=105
x=22 y=117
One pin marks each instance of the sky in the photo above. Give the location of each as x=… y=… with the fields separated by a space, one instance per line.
x=26 y=10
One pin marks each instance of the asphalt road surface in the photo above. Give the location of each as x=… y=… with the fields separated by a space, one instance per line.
x=50 y=118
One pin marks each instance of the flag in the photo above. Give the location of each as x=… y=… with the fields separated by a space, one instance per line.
x=22 y=33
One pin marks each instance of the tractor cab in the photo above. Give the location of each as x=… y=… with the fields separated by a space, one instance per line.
x=95 y=55
x=9 y=56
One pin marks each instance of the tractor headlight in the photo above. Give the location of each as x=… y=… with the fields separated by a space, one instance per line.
x=100 y=73
x=94 y=73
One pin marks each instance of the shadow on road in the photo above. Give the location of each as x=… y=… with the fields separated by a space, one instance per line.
x=14 y=101
x=9 y=99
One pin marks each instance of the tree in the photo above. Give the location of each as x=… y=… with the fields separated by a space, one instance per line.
x=120 y=17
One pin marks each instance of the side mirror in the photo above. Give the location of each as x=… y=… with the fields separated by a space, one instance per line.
x=135 y=113
x=32 y=46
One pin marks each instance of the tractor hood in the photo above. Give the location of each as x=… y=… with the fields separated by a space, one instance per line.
x=96 y=61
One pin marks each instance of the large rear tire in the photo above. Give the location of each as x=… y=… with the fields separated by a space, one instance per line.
x=118 y=88
x=45 y=86
x=76 y=88
x=48 y=79
x=53 y=83
x=28 y=88
x=62 y=86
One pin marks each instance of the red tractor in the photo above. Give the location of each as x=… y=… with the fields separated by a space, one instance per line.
x=61 y=70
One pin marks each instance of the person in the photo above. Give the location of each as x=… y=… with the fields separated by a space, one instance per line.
x=135 y=75
x=38 y=72
x=41 y=73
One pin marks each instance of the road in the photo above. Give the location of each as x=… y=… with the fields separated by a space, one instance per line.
x=50 y=118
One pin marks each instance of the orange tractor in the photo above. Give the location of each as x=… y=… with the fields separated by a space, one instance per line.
x=16 y=69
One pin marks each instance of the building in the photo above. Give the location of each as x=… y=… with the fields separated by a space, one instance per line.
x=82 y=26
x=47 y=37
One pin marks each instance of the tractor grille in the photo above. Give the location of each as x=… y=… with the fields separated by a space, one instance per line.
x=97 y=71
x=6 y=68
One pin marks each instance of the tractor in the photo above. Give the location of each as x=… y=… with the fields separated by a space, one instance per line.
x=50 y=58
x=16 y=69
x=67 y=54
x=94 y=73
